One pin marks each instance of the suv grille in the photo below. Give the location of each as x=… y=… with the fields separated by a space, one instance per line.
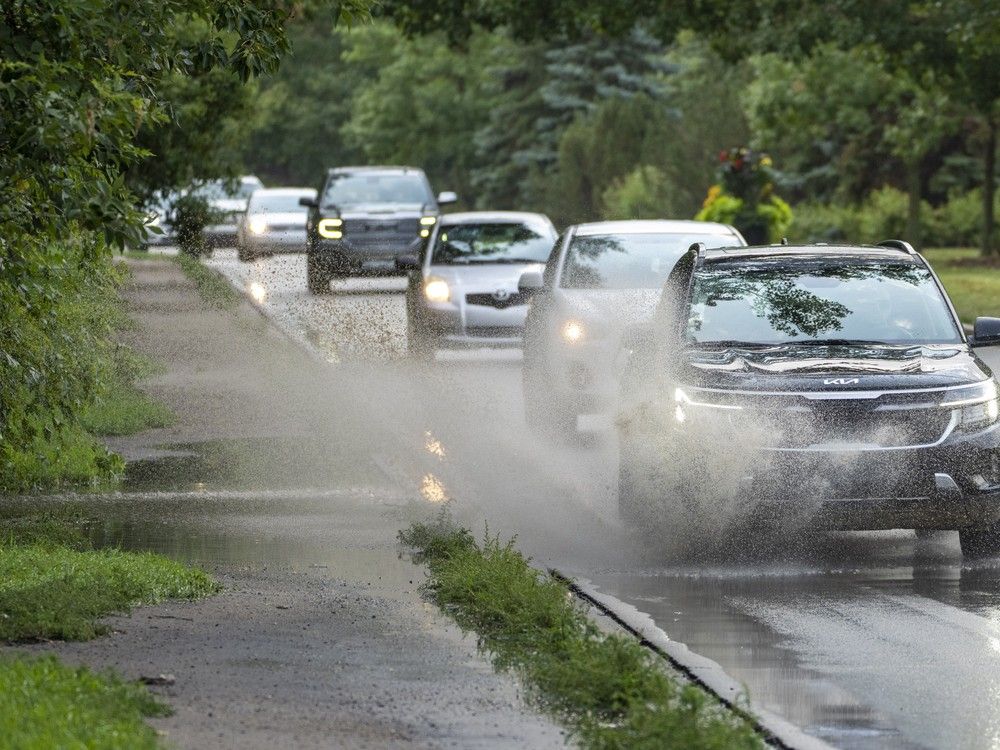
x=840 y=423
x=389 y=233
x=488 y=300
x=796 y=422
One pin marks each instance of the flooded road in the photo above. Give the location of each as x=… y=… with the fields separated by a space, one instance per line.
x=863 y=640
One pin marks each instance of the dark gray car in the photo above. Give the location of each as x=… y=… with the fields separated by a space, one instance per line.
x=364 y=218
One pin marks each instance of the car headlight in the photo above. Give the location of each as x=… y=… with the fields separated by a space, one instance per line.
x=572 y=331
x=428 y=221
x=436 y=290
x=258 y=225
x=977 y=405
x=331 y=229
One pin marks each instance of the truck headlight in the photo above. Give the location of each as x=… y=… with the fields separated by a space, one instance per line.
x=436 y=290
x=258 y=225
x=977 y=405
x=331 y=229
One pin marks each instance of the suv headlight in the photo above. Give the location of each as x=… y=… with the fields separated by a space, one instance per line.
x=331 y=229
x=977 y=405
x=685 y=401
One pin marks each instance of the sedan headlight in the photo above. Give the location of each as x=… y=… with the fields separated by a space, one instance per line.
x=572 y=331
x=977 y=405
x=436 y=290
x=258 y=225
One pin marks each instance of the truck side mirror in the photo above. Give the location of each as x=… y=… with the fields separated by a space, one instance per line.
x=447 y=197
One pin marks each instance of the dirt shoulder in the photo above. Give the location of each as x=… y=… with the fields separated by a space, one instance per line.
x=320 y=637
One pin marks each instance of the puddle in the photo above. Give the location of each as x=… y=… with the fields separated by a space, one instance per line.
x=253 y=464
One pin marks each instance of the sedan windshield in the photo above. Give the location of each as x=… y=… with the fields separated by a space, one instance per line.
x=278 y=203
x=774 y=302
x=346 y=189
x=629 y=261
x=492 y=243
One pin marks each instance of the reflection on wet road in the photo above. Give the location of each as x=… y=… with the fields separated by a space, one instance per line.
x=864 y=640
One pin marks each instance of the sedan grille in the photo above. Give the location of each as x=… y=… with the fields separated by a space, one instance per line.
x=500 y=302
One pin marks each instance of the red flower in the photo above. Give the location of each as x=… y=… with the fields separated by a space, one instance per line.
x=738 y=164
x=723 y=155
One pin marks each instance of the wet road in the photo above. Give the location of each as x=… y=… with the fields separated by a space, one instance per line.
x=864 y=640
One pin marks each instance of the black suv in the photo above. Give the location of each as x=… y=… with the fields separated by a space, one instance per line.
x=364 y=218
x=835 y=384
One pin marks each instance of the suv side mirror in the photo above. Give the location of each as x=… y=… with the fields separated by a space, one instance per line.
x=309 y=202
x=530 y=282
x=408 y=262
x=447 y=197
x=986 y=332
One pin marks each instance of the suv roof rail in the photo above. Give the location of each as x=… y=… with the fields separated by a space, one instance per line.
x=697 y=248
x=906 y=247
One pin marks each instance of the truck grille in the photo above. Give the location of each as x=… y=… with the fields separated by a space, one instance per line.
x=381 y=233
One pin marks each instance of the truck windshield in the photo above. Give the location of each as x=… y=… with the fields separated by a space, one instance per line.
x=777 y=302
x=492 y=243
x=352 y=189
x=629 y=261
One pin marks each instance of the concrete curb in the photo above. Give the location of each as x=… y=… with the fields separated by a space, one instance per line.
x=776 y=731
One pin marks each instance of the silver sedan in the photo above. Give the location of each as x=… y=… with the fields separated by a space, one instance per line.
x=462 y=290
x=275 y=222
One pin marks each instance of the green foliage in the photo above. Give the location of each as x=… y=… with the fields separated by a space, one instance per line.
x=191 y=214
x=644 y=193
x=45 y=704
x=120 y=408
x=607 y=689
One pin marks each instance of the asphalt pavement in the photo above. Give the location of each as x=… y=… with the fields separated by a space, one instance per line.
x=864 y=640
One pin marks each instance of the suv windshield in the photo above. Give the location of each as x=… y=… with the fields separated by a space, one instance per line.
x=629 y=261
x=346 y=189
x=491 y=243
x=777 y=302
x=283 y=203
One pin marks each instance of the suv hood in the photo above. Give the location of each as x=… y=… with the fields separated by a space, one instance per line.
x=379 y=210
x=793 y=367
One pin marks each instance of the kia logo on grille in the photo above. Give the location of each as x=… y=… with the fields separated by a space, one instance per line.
x=501 y=295
x=841 y=381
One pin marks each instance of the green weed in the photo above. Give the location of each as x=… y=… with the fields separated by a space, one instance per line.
x=214 y=289
x=607 y=689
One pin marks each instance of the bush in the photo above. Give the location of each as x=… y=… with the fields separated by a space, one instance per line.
x=883 y=214
x=644 y=193
x=191 y=214
x=58 y=307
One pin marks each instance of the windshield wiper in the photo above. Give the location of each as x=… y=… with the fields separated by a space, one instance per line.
x=732 y=344
x=841 y=342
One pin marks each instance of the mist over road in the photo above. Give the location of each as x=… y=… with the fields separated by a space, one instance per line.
x=866 y=640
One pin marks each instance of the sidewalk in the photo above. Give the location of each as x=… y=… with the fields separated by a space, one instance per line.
x=320 y=638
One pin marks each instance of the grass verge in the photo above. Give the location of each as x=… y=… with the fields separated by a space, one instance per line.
x=608 y=690
x=45 y=704
x=214 y=289
x=53 y=586
x=973 y=285
x=121 y=408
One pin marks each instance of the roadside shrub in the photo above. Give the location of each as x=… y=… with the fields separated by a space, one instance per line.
x=191 y=214
x=957 y=223
x=883 y=215
x=58 y=307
